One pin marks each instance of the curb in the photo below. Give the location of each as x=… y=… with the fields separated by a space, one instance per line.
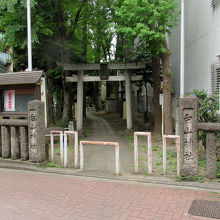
x=27 y=166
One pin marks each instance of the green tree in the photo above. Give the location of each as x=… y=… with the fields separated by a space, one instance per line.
x=208 y=111
x=62 y=30
x=144 y=25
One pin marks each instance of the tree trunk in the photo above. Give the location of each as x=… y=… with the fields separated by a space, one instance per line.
x=67 y=105
x=167 y=93
x=50 y=112
x=97 y=97
x=156 y=98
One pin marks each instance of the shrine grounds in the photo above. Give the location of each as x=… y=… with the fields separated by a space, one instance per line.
x=100 y=159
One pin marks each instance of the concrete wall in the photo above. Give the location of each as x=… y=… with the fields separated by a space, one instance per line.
x=202 y=44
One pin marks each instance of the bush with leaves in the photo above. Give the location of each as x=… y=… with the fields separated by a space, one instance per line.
x=208 y=112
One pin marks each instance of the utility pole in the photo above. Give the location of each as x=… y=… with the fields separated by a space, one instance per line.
x=29 y=36
x=182 y=51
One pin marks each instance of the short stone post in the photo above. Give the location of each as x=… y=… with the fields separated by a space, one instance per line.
x=36 y=128
x=188 y=136
x=24 y=143
x=6 y=148
x=211 y=159
x=211 y=141
x=71 y=128
x=15 y=151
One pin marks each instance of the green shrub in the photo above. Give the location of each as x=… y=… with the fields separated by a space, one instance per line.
x=208 y=107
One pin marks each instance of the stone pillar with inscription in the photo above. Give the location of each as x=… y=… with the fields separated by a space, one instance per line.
x=188 y=118
x=36 y=130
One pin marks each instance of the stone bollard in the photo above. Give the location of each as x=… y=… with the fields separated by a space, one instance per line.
x=15 y=151
x=211 y=159
x=24 y=143
x=36 y=132
x=6 y=148
x=188 y=118
x=71 y=128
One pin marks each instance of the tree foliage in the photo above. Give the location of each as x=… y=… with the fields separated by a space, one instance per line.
x=144 y=24
x=82 y=31
x=208 y=111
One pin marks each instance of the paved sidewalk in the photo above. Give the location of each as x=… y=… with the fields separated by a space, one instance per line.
x=31 y=195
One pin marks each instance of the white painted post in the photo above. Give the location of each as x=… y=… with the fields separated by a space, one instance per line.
x=135 y=153
x=117 y=167
x=177 y=137
x=116 y=144
x=128 y=99
x=76 y=150
x=178 y=155
x=81 y=157
x=164 y=155
x=80 y=101
x=75 y=133
x=61 y=148
x=65 y=149
x=149 y=145
x=52 y=146
x=149 y=154
x=52 y=134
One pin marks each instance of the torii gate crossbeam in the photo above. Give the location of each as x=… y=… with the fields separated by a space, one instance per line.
x=80 y=78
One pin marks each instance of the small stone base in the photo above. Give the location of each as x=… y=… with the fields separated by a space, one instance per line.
x=42 y=164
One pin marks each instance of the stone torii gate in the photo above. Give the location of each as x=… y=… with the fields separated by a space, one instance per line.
x=103 y=68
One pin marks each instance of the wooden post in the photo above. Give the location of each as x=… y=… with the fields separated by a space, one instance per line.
x=80 y=102
x=128 y=99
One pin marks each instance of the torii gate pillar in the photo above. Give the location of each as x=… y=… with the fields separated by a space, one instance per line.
x=128 y=100
x=80 y=102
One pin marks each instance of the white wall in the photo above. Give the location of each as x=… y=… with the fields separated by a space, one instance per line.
x=202 y=43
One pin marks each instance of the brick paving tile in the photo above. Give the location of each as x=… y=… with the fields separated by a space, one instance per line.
x=39 y=196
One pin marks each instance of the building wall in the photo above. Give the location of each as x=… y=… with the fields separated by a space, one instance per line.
x=202 y=44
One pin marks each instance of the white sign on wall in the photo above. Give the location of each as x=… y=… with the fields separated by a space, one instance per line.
x=9 y=100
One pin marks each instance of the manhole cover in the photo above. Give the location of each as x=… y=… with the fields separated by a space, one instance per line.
x=205 y=208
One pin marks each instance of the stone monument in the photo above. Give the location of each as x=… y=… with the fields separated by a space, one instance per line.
x=36 y=126
x=188 y=118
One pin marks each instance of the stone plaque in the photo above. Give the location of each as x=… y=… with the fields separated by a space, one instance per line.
x=188 y=136
x=36 y=131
